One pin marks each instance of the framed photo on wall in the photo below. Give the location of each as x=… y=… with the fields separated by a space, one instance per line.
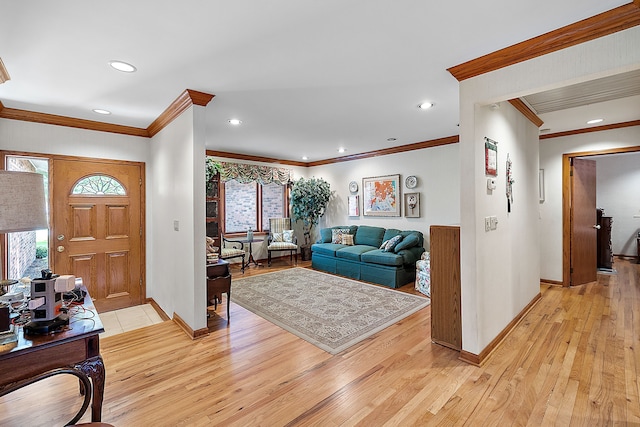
x=354 y=206
x=412 y=205
x=490 y=157
x=381 y=196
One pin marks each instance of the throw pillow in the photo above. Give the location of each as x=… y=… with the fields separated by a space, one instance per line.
x=384 y=244
x=392 y=243
x=277 y=237
x=408 y=242
x=336 y=235
x=347 y=239
x=287 y=236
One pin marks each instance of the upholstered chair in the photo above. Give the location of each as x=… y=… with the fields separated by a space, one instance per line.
x=281 y=238
x=232 y=249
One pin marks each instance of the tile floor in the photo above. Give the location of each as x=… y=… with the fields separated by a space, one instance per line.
x=127 y=319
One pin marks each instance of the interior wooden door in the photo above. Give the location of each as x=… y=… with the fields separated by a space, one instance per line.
x=583 y=222
x=96 y=229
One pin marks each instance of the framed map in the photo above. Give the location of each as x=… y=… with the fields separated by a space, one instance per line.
x=381 y=196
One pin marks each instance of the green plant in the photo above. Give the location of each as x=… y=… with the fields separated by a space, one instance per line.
x=41 y=252
x=309 y=199
x=213 y=167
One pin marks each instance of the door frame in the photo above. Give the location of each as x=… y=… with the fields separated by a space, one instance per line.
x=143 y=225
x=567 y=159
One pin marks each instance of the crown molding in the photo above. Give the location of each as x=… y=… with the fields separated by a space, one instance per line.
x=185 y=100
x=603 y=24
x=591 y=129
x=393 y=150
x=237 y=156
x=52 y=119
x=526 y=111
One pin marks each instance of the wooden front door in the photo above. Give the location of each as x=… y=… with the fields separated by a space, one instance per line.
x=583 y=222
x=97 y=227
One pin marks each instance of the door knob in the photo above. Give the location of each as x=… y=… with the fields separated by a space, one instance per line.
x=597 y=226
x=60 y=237
x=60 y=248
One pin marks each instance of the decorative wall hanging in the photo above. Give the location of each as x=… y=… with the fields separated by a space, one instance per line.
x=381 y=195
x=510 y=182
x=412 y=205
x=490 y=157
x=354 y=205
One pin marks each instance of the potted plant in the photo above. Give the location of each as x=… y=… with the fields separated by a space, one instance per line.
x=212 y=168
x=309 y=199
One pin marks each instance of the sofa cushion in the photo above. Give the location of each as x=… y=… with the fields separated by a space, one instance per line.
x=390 y=233
x=326 y=248
x=379 y=256
x=411 y=255
x=408 y=242
x=337 y=233
x=354 y=253
x=392 y=243
x=326 y=233
x=370 y=236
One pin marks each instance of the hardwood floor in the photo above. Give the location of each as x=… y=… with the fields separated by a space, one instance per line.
x=573 y=360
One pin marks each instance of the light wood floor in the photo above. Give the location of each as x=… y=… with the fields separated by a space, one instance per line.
x=573 y=360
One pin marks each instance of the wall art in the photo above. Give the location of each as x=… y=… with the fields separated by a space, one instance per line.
x=412 y=205
x=354 y=205
x=381 y=196
x=490 y=157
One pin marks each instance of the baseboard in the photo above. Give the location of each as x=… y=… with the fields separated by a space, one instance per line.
x=551 y=282
x=480 y=359
x=187 y=329
x=157 y=308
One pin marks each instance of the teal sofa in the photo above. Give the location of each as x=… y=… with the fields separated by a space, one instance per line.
x=364 y=259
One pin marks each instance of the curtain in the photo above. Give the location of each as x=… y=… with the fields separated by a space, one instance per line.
x=245 y=173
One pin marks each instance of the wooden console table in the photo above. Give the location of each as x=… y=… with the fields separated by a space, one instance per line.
x=76 y=348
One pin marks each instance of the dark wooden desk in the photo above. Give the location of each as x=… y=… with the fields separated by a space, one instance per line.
x=218 y=282
x=76 y=348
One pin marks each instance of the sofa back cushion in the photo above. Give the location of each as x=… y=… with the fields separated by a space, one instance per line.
x=370 y=236
x=410 y=240
x=390 y=233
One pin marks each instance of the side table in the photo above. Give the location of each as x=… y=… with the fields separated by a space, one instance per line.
x=219 y=282
x=250 y=259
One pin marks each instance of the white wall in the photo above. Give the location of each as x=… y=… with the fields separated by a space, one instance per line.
x=40 y=138
x=618 y=192
x=551 y=151
x=481 y=318
x=177 y=276
x=438 y=172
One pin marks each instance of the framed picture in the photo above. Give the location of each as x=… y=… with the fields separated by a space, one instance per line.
x=354 y=205
x=412 y=205
x=490 y=157
x=381 y=196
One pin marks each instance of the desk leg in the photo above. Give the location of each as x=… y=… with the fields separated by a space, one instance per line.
x=94 y=369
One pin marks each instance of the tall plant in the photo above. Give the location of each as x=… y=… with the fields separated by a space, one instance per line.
x=309 y=199
x=213 y=167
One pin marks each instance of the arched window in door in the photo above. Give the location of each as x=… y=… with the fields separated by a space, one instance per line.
x=99 y=185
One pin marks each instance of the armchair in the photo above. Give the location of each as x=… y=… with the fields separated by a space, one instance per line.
x=281 y=238
x=232 y=249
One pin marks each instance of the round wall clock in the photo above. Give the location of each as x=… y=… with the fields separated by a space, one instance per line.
x=353 y=186
x=411 y=181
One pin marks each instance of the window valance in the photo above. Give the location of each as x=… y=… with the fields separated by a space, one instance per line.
x=246 y=173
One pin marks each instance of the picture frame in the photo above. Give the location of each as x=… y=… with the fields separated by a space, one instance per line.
x=381 y=196
x=490 y=157
x=412 y=205
x=354 y=205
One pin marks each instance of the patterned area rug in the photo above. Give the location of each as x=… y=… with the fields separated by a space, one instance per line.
x=329 y=311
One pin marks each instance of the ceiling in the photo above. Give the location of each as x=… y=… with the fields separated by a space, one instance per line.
x=305 y=76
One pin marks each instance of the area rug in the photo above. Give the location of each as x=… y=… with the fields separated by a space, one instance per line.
x=328 y=311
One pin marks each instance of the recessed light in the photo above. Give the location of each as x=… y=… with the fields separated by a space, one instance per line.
x=122 y=66
x=545 y=130
x=234 y=122
x=426 y=105
x=305 y=158
x=341 y=150
x=391 y=139
x=594 y=121
x=101 y=111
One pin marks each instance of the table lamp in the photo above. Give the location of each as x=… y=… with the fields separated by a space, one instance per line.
x=22 y=208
